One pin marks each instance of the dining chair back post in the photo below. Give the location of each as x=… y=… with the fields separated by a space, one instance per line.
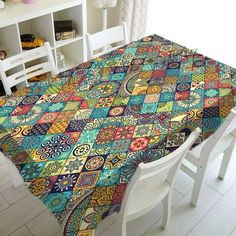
x=227 y=156
x=29 y=72
x=222 y=141
x=102 y=39
x=151 y=184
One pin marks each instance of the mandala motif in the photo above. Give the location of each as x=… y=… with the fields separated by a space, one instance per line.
x=31 y=142
x=76 y=125
x=94 y=163
x=52 y=168
x=106 y=134
x=93 y=94
x=65 y=183
x=55 y=146
x=116 y=111
x=109 y=177
x=114 y=161
x=183 y=87
x=193 y=100
x=142 y=130
x=120 y=146
x=56 y=202
x=30 y=100
x=125 y=132
x=87 y=180
x=152 y=98
x=94 y=215
x=139 y=144
x=31 y=171
x=73 y=166
x=211 y=93
x=132 y=163
x=82 y=150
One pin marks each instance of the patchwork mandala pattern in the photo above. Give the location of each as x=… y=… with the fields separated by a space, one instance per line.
x=77 y=139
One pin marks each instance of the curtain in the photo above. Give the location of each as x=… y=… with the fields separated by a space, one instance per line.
x=134 y=13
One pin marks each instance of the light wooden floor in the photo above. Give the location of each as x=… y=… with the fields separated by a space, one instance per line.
x=23 y=215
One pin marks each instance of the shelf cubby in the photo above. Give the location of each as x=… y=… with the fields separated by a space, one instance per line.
x=38 y=18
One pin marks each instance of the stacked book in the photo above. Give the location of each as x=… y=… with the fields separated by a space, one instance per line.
x=64 y=30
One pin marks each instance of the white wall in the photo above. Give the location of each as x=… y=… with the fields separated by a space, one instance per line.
x=208 y=25
x=95 y=17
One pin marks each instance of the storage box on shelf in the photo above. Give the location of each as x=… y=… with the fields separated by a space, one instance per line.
x=38 y=19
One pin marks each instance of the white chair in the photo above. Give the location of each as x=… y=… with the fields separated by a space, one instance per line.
x=102 y=39
x=14 y=62
x=222 y=141
x=151 y=184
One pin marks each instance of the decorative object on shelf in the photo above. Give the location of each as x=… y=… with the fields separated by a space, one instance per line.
x=63 y=25
x=28 y=1
x=64 y=30
x=104 y=4
x=65 y=35
x=61 y=60
x=3 y=54
x=28 y=41
x=2 y=4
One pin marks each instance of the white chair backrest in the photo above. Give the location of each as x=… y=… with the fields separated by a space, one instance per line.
x=29 y=72
x=104 y=38
x=157 y=171
x=221 y=139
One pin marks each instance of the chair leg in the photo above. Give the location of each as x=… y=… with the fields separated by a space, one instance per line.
x=198 y=184
x=166 y=210
x=226 y=159
x=7 y=90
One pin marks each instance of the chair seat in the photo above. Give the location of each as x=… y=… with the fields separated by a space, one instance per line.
x=146 y=197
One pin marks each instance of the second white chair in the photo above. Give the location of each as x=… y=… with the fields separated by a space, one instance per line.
x=23 y=74
x=102 y=39
x=222 y=141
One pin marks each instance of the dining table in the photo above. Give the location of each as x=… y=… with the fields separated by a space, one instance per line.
x=78 y=137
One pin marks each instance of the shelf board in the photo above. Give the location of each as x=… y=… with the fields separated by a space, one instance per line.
x=64 y=42
x=16 y=11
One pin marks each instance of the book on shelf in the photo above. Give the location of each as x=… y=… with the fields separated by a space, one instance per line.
x=65 y=35
x=63 y=26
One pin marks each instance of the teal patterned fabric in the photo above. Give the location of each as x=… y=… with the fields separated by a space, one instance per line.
x=78 y=138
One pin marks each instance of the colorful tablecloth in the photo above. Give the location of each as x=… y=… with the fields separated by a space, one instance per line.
x=75 y=138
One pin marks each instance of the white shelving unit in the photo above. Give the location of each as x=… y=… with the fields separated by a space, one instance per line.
x=38 y=18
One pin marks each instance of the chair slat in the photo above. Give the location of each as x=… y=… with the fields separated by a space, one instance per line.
x=20 y=60
x=104 y=38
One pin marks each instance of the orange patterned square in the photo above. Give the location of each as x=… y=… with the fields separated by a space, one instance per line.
x=58 y=127
x=89 y=232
